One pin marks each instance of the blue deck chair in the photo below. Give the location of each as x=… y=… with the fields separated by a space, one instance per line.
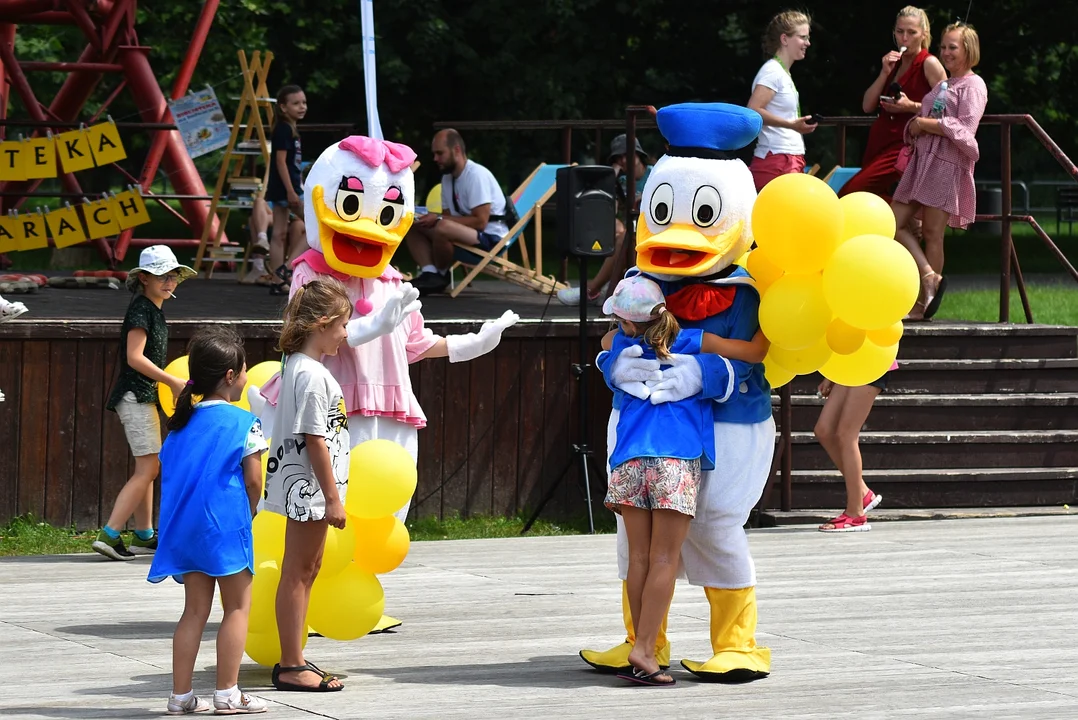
x=811 y=169
x=529 y=198
x=839 y=176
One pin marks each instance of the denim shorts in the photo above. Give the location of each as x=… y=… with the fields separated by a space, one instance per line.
x=487 y=241
x=880 y=382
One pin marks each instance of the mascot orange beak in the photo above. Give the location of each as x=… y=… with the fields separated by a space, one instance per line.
x=681 y=249
x=357 y=248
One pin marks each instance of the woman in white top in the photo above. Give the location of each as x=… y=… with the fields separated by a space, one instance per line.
x=780 y=149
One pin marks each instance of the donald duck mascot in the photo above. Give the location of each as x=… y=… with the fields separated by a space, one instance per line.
x=359 y=202
x=695 y=221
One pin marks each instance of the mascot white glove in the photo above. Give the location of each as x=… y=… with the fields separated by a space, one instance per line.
x=631 y=372
x=682 y=379
x=468 y=347
x=399 y=305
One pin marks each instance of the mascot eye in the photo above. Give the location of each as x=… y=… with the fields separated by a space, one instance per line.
x=392 y=208
x=662 y=204
x=349 y=200
x=706 y=206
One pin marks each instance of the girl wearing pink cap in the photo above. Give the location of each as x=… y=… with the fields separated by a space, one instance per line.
x=659 y=452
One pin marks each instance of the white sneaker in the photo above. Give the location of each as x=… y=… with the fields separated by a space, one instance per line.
x=10 y=310
x=193 y=704
x=238 y=703
x=2 y=398
x=571 y=296
x=258 y=269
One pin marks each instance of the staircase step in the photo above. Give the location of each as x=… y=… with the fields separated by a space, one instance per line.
x=949 y=449
x=938 y=487
x=1011 y=375
x=958 y=413
x=987 y=340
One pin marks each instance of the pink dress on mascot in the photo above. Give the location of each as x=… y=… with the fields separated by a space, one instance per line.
x=359 y=202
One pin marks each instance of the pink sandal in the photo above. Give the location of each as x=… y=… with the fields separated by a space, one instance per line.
x=845 y=523
x=871 y=501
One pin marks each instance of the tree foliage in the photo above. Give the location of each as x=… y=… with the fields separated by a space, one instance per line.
x=555 y=59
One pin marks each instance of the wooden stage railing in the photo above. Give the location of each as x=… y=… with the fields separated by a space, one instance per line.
x=500 y=428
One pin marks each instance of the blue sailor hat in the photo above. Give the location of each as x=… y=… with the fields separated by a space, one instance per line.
x=708 y=130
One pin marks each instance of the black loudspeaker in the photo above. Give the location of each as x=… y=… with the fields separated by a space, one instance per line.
x=586 y=210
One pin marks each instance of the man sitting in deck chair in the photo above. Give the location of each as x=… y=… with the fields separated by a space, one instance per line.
x=473 y=206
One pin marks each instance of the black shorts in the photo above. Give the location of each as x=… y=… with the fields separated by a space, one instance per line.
x=881 y=382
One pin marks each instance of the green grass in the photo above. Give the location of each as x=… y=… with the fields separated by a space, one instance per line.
x=27 y=536
x=1051 y=305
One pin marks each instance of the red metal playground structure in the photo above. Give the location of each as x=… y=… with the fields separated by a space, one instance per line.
x=112 y=51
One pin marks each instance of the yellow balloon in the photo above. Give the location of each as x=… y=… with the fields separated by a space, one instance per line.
x=381 y=544
x=797 y=221
x=886 y=336
x=869 y=363
x=347 y=605
x=866 y=214
x=844 y=338
x=871 y=282
x=776 y=375
x=268 y=530
x=763 y=270
x=258 y=376
x=381 y=479
x=265 y=647
x=340 y=546
x=794 y=313
x=176 y=368
x=263 y=617
x=803 y=361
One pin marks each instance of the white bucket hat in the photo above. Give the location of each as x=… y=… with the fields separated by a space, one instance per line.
x=158 y=260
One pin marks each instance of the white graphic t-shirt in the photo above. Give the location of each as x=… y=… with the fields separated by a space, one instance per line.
x=311 y=403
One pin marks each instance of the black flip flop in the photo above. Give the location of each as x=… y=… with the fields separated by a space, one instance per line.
x=323 y=686
x=642 y=677
x=933 y=306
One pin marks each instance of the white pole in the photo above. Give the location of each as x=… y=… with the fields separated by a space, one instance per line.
x=370 y=82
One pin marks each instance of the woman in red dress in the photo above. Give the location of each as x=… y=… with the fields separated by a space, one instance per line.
x=917 y=71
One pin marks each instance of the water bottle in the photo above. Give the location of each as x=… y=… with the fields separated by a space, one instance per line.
x=940 y=102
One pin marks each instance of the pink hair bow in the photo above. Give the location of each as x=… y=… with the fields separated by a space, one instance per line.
x=395 y=156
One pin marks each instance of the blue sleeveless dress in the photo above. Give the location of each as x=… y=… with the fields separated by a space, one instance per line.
x=205 y=522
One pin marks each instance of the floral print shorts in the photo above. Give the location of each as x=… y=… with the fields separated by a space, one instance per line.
x=655 y=484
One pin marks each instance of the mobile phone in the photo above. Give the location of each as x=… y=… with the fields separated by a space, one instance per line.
x=887 y=99
x=813 y=119
x=895 y=89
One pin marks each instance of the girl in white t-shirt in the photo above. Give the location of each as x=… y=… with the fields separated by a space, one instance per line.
x=780 y=149
x=307 y=471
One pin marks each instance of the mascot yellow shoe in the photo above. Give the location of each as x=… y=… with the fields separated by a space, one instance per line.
x=737 y=659
x=616 y=658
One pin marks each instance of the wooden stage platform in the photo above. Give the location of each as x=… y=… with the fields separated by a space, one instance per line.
x=500 y=429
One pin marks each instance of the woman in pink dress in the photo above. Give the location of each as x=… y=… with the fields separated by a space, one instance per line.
x=938 y=180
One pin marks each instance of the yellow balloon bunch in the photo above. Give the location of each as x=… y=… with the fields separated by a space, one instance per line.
x=258 y=376
x=347 y=600
x=834 y=285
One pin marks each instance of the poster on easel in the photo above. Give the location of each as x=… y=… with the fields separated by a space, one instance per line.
x=200 y=121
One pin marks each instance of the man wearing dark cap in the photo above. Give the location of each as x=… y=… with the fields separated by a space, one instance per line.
x=617 y=160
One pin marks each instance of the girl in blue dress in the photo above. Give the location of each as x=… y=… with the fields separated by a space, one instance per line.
x=659 y=453
x=210 y=485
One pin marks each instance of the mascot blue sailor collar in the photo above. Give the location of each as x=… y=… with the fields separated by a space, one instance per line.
x=695 y=221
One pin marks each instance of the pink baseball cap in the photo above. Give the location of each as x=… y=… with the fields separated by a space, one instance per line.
x=634 y=299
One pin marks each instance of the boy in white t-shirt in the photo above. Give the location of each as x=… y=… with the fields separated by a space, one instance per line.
x=780 y=149
x=473 y=213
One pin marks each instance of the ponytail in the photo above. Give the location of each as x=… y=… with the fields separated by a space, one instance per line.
x=662 y=332
x=212 y=353
x=185 y=408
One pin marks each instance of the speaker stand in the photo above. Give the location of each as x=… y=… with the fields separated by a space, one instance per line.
x=582 y=452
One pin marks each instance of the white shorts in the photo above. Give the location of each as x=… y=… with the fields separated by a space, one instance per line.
x=142 y=425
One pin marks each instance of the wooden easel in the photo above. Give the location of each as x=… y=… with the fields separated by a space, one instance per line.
x=234 y=190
